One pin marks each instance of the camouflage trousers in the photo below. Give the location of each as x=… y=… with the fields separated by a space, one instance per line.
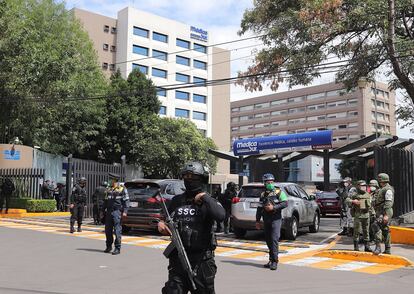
x=382 y=234
x=361 y=223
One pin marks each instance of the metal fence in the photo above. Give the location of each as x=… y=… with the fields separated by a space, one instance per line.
x=27 y=180
x=399 y=165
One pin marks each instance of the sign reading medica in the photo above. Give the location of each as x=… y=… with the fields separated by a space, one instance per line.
x=285 y=143
x=198 y=34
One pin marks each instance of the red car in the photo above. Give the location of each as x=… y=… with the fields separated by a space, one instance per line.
x=328 y=202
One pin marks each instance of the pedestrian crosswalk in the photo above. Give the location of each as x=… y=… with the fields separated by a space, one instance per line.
x=291 y=253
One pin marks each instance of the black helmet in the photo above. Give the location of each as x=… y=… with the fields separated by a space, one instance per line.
x=231 y=185
x=268 y=177
x=195 y=168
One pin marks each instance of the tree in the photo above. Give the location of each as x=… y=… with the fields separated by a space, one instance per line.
x=166 y=144
x=47 y=66
x=130 y=104
x=300 y=35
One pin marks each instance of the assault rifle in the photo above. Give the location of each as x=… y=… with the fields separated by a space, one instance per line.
x=177 y=244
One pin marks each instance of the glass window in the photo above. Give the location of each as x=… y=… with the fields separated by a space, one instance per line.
x=182 y=78
x=106 y=28
x=162 y=92
x=352 y=125
x=183 y=44
x=200 y=48
x=279 y=112
x=141 y=68
x=141 y=32
x=199 y=115
x=261 y=115
x=352 y=113
x=246 y=108
x=159 y=55
x=278 y=102
x=279 y=123
x=244 y=117
x=140 y=50
x=199 y=98
x=262 y=105
x=233 y=129
x=341 y=103
x=113 y=48
x=296 y=99
x=160 y=73
x=234 y=119
x=105 y=47
x=183 y=60
x=296 y=110
x=264 y=125
x=159 y=37
x=316 y=96
x=163 y=110
x=182 y=95
x=113 y=30
x=247 y=127
x=105 y=65
x=179 y=112
x=235 y=109
x=352 y=102
x=200 y=64
x=199 y=80
x=334 y=93
x=342 y=126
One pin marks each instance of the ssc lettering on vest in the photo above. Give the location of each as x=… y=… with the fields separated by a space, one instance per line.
x=186 y=211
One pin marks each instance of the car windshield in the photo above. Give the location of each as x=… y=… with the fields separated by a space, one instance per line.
x=142 y=190
x=327 y=195
x=251 y=192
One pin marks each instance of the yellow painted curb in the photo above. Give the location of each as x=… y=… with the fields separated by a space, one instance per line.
x=402 y=235
x=365 y=256
x=21 y=213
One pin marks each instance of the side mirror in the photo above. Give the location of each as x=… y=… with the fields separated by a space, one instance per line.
x=312 y=197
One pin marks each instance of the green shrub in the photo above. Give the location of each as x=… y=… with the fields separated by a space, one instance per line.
x=18 y=203
x=44 y=205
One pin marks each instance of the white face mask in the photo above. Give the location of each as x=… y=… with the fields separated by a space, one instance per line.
x=373 y=188
x=346 y=184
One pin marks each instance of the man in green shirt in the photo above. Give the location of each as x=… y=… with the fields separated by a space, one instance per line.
x=272 y=201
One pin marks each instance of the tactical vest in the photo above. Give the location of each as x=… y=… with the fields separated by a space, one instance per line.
x=79 y=194
x=115 y=197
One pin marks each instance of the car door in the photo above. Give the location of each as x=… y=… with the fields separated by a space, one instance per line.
x=308 y=205
x=296 y=202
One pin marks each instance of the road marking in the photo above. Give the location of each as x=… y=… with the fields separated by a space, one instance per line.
x=353 y=265
x=306 y=261
x=333 y=236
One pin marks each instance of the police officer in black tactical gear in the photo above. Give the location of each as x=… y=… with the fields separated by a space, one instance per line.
x=226 y=200
x=115 y=206
x=77 y=204
x=195 y=212
x=98 y=198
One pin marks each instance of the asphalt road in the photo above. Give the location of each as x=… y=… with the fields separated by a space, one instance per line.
x=40 y=262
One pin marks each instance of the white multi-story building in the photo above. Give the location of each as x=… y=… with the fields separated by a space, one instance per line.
x=171 y=54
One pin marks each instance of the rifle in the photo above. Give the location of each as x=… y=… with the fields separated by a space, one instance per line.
x=176 y=243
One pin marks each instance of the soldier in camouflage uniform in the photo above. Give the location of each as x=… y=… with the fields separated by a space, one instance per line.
x=360 y=203
x=373 y=190
x=344 y=191
x=383 y=208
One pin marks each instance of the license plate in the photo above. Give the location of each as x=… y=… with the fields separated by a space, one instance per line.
x=133 y=204
x=254 y=204
x=329 y=204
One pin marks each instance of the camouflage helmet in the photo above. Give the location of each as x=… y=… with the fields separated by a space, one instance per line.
x=347 y=179
x=383 y=178
x=361 y=183
x=374 y=183
x=82 y=180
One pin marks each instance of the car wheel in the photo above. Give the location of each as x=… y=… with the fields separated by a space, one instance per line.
x=292 y=230
x=239 y=232
x=125 y=229
x=314 y=228
x=323 y=214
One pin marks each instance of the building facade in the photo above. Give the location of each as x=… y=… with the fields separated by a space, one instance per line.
x=171 y=54
x=351 y=115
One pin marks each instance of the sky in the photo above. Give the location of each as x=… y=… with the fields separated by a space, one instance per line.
x=221 y=18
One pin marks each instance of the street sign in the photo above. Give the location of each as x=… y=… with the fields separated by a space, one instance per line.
x=285 y=143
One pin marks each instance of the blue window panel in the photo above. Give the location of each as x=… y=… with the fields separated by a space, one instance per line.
x=159 y=54
x=183 y=60
x=197 y=80
x=200 y=64
x=182 y=113
x=161 y=92
x=199 y=115
x=182 y=78
x=199 y=98
x=163 y=110
x=159 y=37
x=183 y=44
x=141 y=68
x=200 y=48
x=140 y=50
x=182 y=95
x=160 y=73
x=141 y=32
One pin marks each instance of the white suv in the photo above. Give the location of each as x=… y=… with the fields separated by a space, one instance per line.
x=302 y=210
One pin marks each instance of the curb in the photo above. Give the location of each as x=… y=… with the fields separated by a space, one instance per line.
x=22 y=213
x=365 y=256
x=402 y=235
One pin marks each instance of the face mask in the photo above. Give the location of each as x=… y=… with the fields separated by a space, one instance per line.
x=346 y=184
x=193 y=186
x=373 y=188
x=270 y=186
x=363 y=188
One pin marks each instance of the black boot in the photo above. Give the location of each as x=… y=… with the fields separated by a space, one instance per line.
x=108 y=249
x=344 y=232
x=267 y=265
x=366 y=247
x=273 y=266
x=79 y=228
x=72 y=229
x=116 y=251
x=387 y=250
x=377 y=249
x=356 y=245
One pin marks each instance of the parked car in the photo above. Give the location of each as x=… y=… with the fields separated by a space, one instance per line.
x=302 y=210
x=145 y=210
x=329 y=202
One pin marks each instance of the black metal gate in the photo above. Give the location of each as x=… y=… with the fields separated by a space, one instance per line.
x=27 y=180
x=95 y=173
x=399 y=165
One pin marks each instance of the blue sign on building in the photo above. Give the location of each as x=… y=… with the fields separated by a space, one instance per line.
x=198 y=34
x=11 y=154
x=285 y=143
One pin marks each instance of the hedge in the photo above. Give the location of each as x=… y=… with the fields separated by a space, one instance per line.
x=33 y=205
x=44 y=205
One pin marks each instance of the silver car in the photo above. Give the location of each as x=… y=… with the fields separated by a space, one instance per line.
x=302 y=210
